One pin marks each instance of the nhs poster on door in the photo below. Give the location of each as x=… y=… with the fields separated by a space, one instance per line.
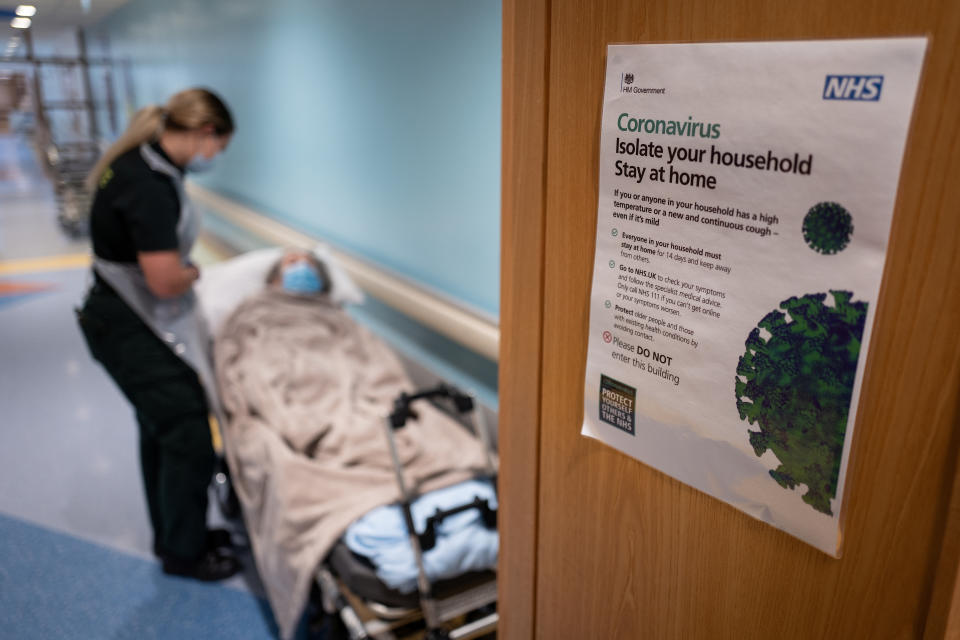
x=745 y=199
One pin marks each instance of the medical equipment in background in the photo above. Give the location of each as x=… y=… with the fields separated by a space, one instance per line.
x=68 y=130
x=68 y=165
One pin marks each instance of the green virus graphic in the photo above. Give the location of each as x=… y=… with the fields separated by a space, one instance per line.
x=827 y=227
x=795 y=381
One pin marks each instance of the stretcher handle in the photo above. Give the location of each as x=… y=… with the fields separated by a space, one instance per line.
x=428 y=539
x=401 y=406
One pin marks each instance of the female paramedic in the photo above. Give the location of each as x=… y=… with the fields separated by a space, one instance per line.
x=140 y=322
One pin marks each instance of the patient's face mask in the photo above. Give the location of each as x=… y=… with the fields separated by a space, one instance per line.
x=301 y=278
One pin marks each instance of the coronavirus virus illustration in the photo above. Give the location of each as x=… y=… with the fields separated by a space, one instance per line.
x=794 y=382
x=827 y=227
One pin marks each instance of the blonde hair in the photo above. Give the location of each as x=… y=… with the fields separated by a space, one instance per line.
x=187 y=110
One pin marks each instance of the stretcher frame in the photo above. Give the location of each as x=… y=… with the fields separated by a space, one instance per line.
x=440 y=613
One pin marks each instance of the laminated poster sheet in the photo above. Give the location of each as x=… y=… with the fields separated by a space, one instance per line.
x=746 y=194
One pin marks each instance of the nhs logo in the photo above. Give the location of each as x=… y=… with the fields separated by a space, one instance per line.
x=853 y=88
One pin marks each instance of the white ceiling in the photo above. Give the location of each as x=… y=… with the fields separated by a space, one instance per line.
x=57 y=14
x=52 y=16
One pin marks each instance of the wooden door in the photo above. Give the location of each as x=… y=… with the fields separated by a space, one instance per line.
x=598 y=545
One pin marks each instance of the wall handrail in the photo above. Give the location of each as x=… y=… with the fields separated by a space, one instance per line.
x=467 y=327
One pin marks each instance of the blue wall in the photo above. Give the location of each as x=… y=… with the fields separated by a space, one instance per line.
x=374 y=124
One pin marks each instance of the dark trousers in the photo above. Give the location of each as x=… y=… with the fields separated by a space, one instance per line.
x=176 y=452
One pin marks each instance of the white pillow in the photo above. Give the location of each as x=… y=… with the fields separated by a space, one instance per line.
x=223 y=286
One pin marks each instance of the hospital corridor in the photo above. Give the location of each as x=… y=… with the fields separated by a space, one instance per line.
x=479 y=319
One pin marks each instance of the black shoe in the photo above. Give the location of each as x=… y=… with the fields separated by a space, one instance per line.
x=210 y=567
x=219 y=539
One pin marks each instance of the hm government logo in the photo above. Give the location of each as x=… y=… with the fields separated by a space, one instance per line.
x=626 y=85
x=865 y=88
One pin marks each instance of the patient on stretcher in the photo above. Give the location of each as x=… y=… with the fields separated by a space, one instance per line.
x=306 y=390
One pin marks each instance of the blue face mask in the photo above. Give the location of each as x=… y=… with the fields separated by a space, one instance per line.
x=301 y=278
x=199 y=164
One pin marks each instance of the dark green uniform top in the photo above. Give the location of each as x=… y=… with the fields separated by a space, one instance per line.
x=135 y=209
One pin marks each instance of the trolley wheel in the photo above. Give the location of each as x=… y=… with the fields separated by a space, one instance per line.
x=322 y=625
x=226 y=495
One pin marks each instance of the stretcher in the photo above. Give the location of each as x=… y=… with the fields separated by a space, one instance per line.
x=346 y=585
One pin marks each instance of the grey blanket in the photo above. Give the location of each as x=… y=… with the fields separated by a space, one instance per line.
x=306 y=390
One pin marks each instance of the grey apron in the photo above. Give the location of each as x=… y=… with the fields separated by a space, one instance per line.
x=176 y=321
